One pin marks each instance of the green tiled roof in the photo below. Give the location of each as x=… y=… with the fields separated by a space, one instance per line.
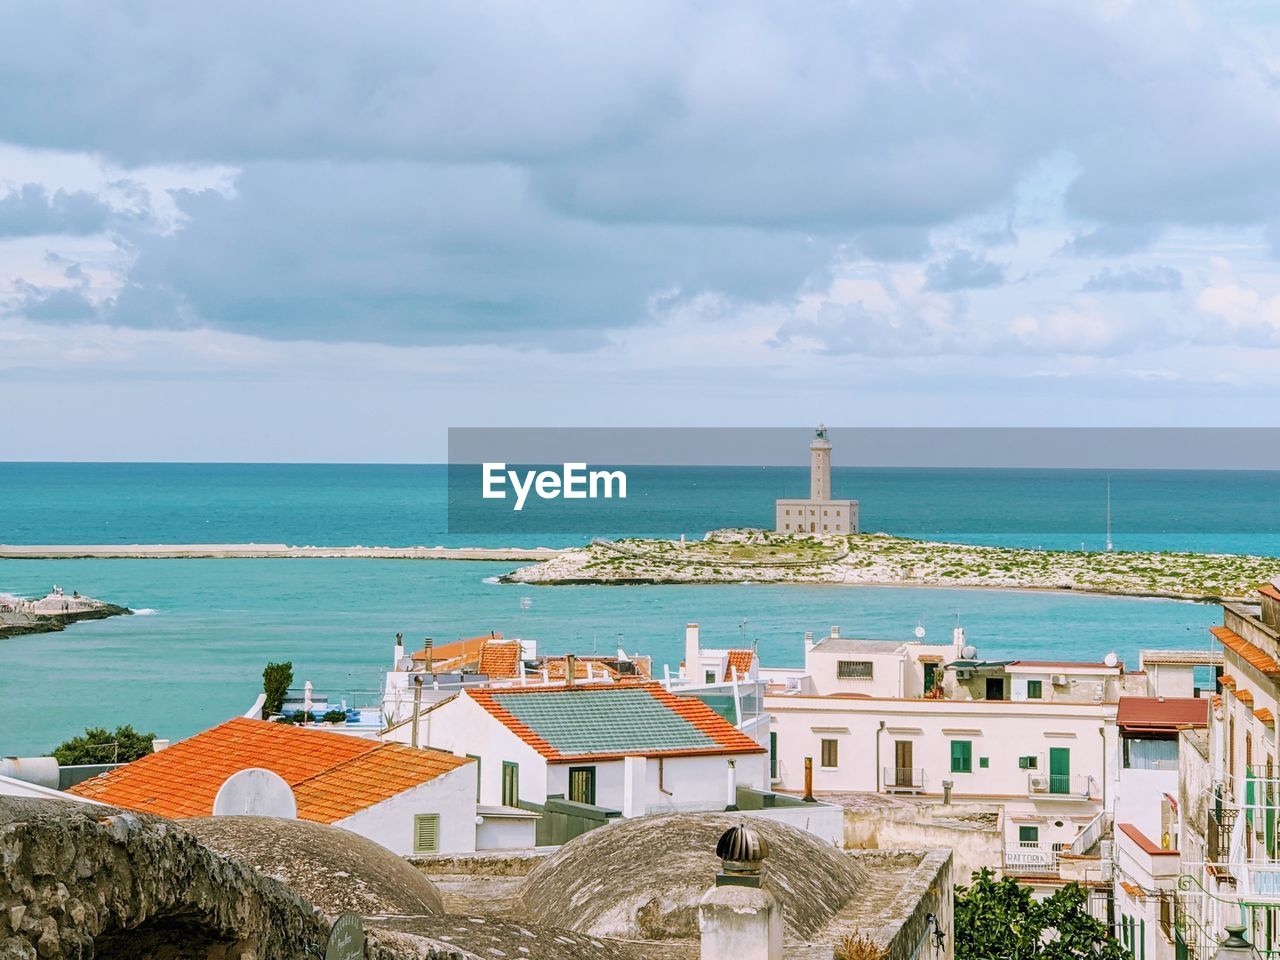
x=603 y=721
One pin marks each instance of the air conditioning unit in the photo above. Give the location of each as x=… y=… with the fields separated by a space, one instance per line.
x=1039 y=784
x=1058 y=679
x=793 y=684
x=963 y=674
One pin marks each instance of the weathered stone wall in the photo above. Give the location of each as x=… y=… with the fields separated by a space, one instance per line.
x=80 y=881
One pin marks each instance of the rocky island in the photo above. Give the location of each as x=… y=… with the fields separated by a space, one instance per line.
x=762 y=556
x=52 y=612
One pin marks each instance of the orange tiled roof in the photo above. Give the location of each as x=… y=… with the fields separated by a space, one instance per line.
x=725 y=737
x=500 y=660
x=1244 y=696
x=1131 y=890
x=1265 y=716
x=467 y=649
x=741 y=660
x=183 y=779
x=1254 y=656
x=1145 y=843
x=1227 y=681
x=1270 y=590
x=1216 y=700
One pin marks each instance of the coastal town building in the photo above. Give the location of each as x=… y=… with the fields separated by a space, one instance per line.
x=937 y=722
x=631 y=748
x=1228 y=798
x=408 y=800
x=819 y=515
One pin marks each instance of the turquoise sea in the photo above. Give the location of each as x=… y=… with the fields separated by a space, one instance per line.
x=195 y=655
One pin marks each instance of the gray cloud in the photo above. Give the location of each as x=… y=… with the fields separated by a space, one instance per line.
x=963 y=271
x=1134 y=280
x=31 y=210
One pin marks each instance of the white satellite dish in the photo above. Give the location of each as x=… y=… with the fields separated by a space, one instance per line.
x=969 y=652
x=255 y=793
x=920 y=632
x=1111 y=659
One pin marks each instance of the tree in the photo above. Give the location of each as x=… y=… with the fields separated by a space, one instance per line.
x=276 y=679
x=1000 y=918
x=99 y=745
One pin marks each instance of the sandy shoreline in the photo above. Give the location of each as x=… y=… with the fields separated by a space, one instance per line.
x=220 y=551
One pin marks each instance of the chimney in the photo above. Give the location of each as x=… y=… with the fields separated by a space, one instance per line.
x=570 y=670
x=957 y=639
x=808 y=641
x=399 y=652
x=835 y=632
x=738 y=918
x=426 y=655
x=158 y=744
x=692 y=653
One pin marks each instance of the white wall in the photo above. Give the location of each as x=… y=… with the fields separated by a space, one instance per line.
x=692 y=783
x=463 y=727
x=451 y=796
x=506 y=833
x=1139 y=796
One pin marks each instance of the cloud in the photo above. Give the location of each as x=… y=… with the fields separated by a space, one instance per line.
x=1134 y=280
x=31 y=210
x=963 y=271
x=1112 y=240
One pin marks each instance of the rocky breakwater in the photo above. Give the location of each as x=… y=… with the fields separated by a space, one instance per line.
x=51 y=613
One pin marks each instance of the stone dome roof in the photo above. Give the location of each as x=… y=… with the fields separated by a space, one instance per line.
x=642 y=878
x=335 y=869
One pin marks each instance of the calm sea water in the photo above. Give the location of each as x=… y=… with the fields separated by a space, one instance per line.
x=198 y=657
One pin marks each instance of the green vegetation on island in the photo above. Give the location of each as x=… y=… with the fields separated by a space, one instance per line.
x=735 y=556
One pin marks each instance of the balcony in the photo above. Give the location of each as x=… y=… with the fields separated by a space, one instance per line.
x=1031 y=858
x=904 y=779
x=1068 y=786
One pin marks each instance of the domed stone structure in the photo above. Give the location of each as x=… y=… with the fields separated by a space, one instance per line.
x=642 y=878
x=335 y=869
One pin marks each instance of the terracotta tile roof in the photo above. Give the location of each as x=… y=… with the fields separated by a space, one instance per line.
x=1271 y=589
x=183 y=779
x=1244 y=696
x=500 y=660
x=1216 y=700
x=1144 y=843
x=603 y=722
x=1227 y=681
x=1161 y=714
x=1254 y=656
x=1266 y=716
x=463 y=650
x=741 y=660
x=1131 y=890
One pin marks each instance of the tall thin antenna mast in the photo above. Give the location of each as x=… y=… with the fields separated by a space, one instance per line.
x=1109 y=544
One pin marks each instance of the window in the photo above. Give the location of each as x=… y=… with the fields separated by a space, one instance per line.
x=1035 y=689
x=962 y=756
x=854 y=669
x=1028 y=834
x=472 y=756
x=995 y=688
x=1028 y=763
x=582 y=785
x=930 y=676
x=830 y=753
x=510 y=784
x=426 y=833
x=773 y=755
x=709 y=676
x=984 y=762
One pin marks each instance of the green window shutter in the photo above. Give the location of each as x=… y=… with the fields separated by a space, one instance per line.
x=1035 y=689
x=984 y=762
x=773 y=754
x=1028 y=834
x=472 y=756
x=830 y=753
x=961 y=756
x=510 y=784
x=582 y=785
x=426 y=833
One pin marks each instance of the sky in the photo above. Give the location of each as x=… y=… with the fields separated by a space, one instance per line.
x=328 y=232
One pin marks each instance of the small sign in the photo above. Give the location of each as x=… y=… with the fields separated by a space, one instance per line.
x=346 y=939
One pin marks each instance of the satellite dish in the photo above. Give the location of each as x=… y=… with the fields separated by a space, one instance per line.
x=920 y=632
x=255 y=793
x=1111 y=659
x=969 y=652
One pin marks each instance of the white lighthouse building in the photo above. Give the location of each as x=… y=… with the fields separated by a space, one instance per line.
x=819 y=515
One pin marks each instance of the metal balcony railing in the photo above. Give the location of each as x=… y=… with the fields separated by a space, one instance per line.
x=1081 y=786
x=904 y=778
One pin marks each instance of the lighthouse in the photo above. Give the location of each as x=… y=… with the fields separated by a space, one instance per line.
x=820 y=515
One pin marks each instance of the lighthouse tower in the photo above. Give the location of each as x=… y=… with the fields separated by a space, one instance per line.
x=820 y=515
